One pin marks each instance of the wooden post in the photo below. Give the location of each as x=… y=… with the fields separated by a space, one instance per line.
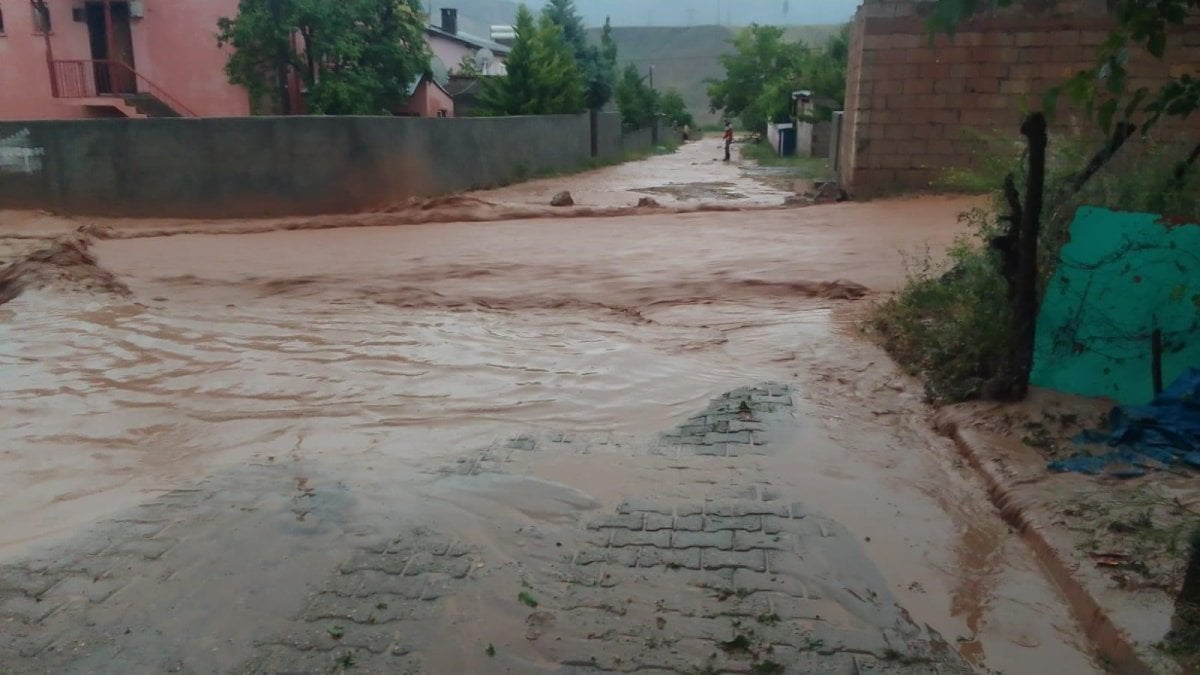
x=1014 y=383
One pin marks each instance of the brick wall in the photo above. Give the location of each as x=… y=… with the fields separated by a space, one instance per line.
x=911 y=106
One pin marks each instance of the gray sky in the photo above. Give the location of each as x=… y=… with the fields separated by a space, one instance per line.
x=737 y=12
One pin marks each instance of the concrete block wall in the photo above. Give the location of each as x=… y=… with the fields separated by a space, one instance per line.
x=911 y=106
x=270 y=166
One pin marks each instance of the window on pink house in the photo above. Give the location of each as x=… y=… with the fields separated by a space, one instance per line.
x=41 y=18
x=1 y=21
x=442 y=113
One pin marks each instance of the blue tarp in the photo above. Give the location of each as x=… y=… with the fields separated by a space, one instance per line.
x=1165 y=432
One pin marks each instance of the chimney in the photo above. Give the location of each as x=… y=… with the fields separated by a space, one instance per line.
x=450 y=20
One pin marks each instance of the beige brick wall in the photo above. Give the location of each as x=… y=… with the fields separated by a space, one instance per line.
x=912 y=101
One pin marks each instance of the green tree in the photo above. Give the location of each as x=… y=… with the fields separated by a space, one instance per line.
x=542 y=79
x=637 y=102
x=596 y=64
x=467 y=67
x=674 y=110
x=353 y=56
x=763 y=70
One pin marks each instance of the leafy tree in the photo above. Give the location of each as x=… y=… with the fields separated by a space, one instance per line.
x=542 y=79
x=764 y=69
x=467 y=67
x=637 y=102
x=353 y=56
x=674 y=110
x=598 y=64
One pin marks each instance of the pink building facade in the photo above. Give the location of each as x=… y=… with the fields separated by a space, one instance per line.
x=128 y=58
x=147 y=58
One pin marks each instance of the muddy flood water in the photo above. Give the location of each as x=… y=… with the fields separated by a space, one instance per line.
x=649 y=443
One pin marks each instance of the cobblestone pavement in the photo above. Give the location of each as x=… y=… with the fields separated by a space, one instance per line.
x=262 y=571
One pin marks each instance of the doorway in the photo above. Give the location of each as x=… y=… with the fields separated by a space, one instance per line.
x=111 y=36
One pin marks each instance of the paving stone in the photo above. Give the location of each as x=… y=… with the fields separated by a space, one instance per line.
x=752 y=560
x=706 y=450
x=746 y=508
x=720 y=540
x=19 y=579
x=742 y=437
x=658 y=521
x=647 y=505
x=629 y=521
x=653 y=557
x=715 y=523
x=774 y=524
x=660 y=539
x=693 y=523
x=745 y=541
x=369 y=582
x=591 y=556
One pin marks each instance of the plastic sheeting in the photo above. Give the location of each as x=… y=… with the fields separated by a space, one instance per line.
x=1121 y=276
x=1165 y=432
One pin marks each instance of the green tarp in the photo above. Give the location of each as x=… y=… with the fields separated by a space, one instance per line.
x=1121 y=276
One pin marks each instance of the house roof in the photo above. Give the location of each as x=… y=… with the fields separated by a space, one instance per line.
x=412 y=86
x=459 y=84
x=469 y=40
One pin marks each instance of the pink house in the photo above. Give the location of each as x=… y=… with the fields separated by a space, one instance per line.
x=115 y=58
x=65 y=59
x=427 y=98
x=450 y=46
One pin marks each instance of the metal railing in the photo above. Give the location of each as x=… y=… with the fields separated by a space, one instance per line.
x=97 y=78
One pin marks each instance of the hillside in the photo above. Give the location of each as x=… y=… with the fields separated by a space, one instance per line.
x=685 y=57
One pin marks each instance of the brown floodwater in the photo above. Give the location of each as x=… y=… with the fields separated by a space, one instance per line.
x=393 y=350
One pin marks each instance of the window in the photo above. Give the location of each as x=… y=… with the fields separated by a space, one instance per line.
x=41 y=17
x=1 y=21
x=442 y=112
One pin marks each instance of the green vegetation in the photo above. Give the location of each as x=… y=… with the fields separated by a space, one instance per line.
x=491 y=650
x=637 y=102
x=674 y=110
x=764 y=69
x=816 y=168
x=526 y=598
x=543 y=77
x=948 y=324
x=597 y=64
x=355 y=57
x=956 y=323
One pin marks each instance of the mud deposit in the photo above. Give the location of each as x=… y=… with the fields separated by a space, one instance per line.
x=575 y=444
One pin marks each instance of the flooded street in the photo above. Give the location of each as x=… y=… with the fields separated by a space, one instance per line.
x=647 y=443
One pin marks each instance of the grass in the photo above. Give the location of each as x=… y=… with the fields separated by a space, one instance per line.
x=816 y=168
x=526 y=598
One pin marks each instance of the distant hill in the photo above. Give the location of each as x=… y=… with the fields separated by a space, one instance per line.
x=684 y=57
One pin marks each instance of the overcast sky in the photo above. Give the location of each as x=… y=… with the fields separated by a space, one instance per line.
x=696 y=12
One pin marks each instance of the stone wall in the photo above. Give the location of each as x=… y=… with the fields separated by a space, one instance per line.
x=912 y=107
x=262 y=166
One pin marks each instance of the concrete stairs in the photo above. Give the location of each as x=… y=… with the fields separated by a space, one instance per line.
x=149 y=105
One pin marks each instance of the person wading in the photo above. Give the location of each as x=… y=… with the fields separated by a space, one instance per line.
x=728 y=139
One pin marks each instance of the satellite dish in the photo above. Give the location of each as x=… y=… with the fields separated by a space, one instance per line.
x=484 y=59
x=441 y=74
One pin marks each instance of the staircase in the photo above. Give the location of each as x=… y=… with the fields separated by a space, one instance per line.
x=150 y=105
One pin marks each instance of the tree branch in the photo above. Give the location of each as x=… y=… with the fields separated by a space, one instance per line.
x=1120 y=134
x=1182 y=168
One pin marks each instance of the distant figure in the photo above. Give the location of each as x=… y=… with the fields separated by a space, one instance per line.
x=728 y=139
x=687 y=132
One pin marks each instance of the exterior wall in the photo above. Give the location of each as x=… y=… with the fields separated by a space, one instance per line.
x=179 y=37
x=911 y=107
x=428 y=100
x=259 y=166
x=174 y=47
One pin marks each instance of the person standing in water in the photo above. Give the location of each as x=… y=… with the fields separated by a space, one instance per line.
x=728 y=139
